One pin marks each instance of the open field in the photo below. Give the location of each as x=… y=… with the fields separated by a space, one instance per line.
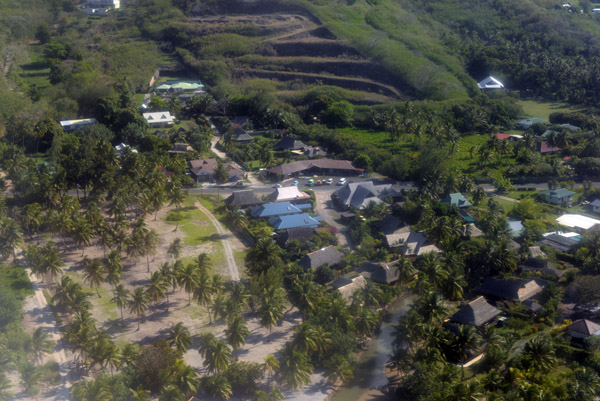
x=543 y=109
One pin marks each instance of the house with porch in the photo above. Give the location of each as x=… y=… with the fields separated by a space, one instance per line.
x=557 y=196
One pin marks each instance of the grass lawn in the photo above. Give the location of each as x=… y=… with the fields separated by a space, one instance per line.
x=109 y=310
x=15 y=278
x=543 y=109
x=506 y=205
x=522 y=194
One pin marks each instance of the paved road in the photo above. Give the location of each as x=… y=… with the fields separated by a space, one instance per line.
x=225 y=235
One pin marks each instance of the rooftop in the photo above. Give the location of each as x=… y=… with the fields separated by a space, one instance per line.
x=242 y=199
x=585 y=327
x=577 y=221
x=456 y=199
x=476 y=313
x=329 y=255
x=385 y=273
x=294 y=221
x=277 y=209
x=288 y=194
x=301 y=165
x=513 y=290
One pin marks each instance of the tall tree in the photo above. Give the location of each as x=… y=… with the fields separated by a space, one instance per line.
x=175 y=248
x=179 y=337
x=236 y=332
x=271 y=308
x=41 y=344
x=295 y=369
x=138 y=303
x=177 y=197
x=93 y=273
x=121 y=297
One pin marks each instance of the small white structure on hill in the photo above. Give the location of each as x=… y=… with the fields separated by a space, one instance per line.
x=159 y=119
x=490 y=83
x=103 y=3
x=72 y=125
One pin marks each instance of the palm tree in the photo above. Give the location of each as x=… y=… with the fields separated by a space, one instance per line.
x=466 y=339
x=217 y=386
x=51 y=260
x=150 y=242
x=184 y=377
x=140 y=394
x=82 y=234
x=339 y=368
x=11 y=235
x=271 y=366
x=121 y=297
x=5 y=394
x=179 y=337
x=237 y=219
x=218 y=357
x=138 y=304
x=157 y=288
x=271 y=308
x=236 y=331
x=114 y=268
x=93 y=273
x=263 y=255
x=295 y=369
x=188 y=280
x=431 y=307
x=540 y=353
x=204 y=290
x=167 y=272
x=170 y=393
x=177 y=197
x=175 y=248
x=203 y=262
x=41 y=344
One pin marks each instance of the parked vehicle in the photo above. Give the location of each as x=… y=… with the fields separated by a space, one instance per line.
x=329 y=181
x=311 y=182
x=295 y=183
x=319 y=182
x=239 y=184
x=277 y=186
x=342 y=181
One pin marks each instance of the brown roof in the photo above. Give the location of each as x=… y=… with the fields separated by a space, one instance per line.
x=329 y=255
x=243 y=199
x=208 y=167
x=347 y=285
x=385 y=273
x=513 y=290
x=476 y=313
x=301 y=165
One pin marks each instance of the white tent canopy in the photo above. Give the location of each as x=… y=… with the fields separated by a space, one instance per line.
x=490 y=83
x=577 y=221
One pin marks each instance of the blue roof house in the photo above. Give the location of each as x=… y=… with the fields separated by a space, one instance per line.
x=278 y=209
x=456 y=199
x=294 y=221
x=557 y=196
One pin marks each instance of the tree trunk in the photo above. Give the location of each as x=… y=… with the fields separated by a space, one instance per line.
x=148 y=262
x=121 y=309
x=177 y=224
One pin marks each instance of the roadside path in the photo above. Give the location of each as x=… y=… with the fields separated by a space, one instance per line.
x=223 y=155
x=225 y=235
x=37 y=309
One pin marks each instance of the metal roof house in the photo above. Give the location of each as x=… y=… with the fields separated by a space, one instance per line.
x=295 y=221
x=301 y=234
x=278 y=209
x=410 y=243
x=583 y=328
x=204 y=170
x=557 y=196
x=347 y=285
x=558 y=242
x=490 y=83
x=577 y=221
x=289 y=194
x=526 y=123
x=317 y=166
x=456 y=199
x=359 y=194
x=329 y=256
x=242 y=199
x=173 y=87
x=290 y=143
x=596 y=206
x=159 y=119
x=72 y=125
x=476 y=313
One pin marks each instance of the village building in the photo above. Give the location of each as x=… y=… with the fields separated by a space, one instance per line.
x=583 y=329
x=595 y=206
x=159 y=119
x=242 y=199
x=173 y=87
x=358 y=195
x=476 y=313
x=410 y=243
x=545 y=148
x=384 y=273
x=325 y=256
x=456 y=199
x=542 y=266
x=103 y=3
x=72 y=125
x=300 y=234
x=314 y=167
x=290 y=143
x=278 y=209
x=577 y=222
x=347 y=285
x=490 y=83
x=204 y=170
x=510 y=290
x=558 y=242
x=181 y=149
x=557 y=196
x=526 y=123
x=295 y=221
x=289 y=194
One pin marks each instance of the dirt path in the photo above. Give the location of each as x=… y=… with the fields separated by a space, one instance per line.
x=225 y=235
x=506 y=198
x=326 y=210
x=38 y=314
x=223 y=155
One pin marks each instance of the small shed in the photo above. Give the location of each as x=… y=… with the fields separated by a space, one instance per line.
x=384 y=273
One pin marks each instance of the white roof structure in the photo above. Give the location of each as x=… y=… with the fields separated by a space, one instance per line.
x=288 y=194
x=577 y=221
x=122 y=147
x=490 y=83
x=596 y=203
x=159 y=117
x=413 y=242
x=69 y=125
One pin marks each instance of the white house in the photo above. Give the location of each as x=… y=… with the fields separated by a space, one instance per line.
x=577 y=221
x=103 y=3
x=490 y=83
x=72 y=125
x=596 y=206
x=159 y=119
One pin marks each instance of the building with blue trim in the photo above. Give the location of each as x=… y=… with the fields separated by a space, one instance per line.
x=278 y=209
x=294 y=221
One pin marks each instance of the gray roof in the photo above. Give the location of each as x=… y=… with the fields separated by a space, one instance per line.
x=323 y=164
x=512 y=290
x=385 y=273
x=360 y=194
x=584 y=326
x=347 y=285
x=289 y=142
x=389 y=224
x=301 y=234
x=476 y=313
x=242 y=199
x=329 y=255
x=558 y=242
